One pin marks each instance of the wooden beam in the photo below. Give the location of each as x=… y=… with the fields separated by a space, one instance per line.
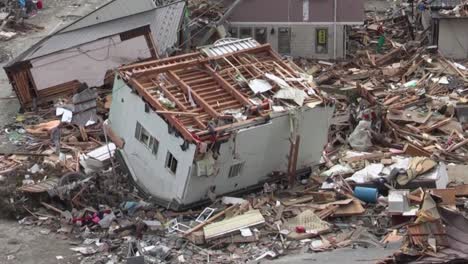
x=169 y=95
x=228 y=87
x=151 y=45
x=177 y=113
x=159 y=62
x=158 y=106
x=198 y=99
x=180 y=62
x=179 y=104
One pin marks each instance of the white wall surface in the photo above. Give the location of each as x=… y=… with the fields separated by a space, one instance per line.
x=149 y=170
x=264 y=149
x=87 y=63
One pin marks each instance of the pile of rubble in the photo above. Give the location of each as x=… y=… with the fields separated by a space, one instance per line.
x=393 y=172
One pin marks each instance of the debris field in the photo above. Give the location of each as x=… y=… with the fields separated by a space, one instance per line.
x=392 y=173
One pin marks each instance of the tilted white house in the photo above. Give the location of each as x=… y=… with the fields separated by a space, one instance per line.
x=216 y=121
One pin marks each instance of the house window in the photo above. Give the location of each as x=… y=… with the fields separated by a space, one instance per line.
x=154 y=145
x=142 y=134
x=144 y=137
x=284 y=41
x=171 y=162
x=233 y=32
x=321 y=40
x=260 y=35
x=245 y=32
x=235 y=170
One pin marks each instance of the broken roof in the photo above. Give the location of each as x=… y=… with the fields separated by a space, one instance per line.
x=112 y=18
x=199 y=94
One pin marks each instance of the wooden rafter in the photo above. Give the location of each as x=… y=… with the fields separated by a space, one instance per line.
x=153 y=63
x=179 y=104
x=155 y=104
x=198 y=99
x=227 y=86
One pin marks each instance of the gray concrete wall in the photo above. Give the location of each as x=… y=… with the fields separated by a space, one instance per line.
x=263 y=149
x=453 y=38
x=303 y=38
x=89 y=63
x=150 y=171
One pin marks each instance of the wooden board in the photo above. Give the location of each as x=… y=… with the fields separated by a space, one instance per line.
x=250 y=218
x=354 y=208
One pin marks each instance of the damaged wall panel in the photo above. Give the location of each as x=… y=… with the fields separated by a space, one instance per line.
x=90 y=61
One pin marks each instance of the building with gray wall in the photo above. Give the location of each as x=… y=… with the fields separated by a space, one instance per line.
x=299 y=28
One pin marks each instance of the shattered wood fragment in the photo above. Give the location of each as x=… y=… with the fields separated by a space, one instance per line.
x=354 y=208
x=415 y=151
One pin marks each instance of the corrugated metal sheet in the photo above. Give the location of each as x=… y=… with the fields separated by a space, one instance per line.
x=110 y=11
x=229 y=45
x=166 y=26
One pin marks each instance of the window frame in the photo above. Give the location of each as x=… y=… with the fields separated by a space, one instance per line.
x=245 y=28
x=281 y=49
x=152 y=144
x=171 y=162
x=265 y=35
x=318 y=42
x=236 y=34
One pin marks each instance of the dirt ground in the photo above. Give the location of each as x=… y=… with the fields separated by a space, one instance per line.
x=25 y=244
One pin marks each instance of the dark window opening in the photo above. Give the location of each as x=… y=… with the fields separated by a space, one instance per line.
x=284 y=41
x=171 y=162
x=260 y=35
x=233 y=32
x=245 y=32
x=144 y=137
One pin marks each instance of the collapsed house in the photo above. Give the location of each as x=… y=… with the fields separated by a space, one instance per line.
x=216 y=121
x=309 y=29
x=117 y=33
